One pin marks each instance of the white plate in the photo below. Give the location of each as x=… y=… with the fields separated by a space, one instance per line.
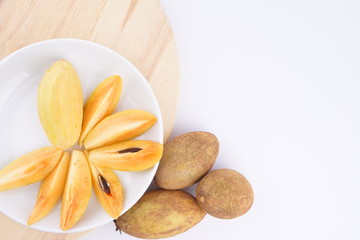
x=21 y=131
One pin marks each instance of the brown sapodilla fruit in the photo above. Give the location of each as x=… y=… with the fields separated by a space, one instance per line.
x=161 y=214
x=186 y=159
x=225 y=193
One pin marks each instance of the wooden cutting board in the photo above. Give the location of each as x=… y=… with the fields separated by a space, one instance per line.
x=137 y=29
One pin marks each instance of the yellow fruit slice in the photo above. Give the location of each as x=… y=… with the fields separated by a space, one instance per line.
x=119 y=127
x=51 y=190
x=60 y=104
x=135 y=155
x=30 y=168
x=101 y=104
x=77 y=191
x=108 y=190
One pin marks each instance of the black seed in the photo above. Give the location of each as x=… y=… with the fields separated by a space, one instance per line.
x=130 y=150
x=104 y=184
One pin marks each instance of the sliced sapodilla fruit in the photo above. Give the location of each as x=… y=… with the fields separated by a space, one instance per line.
x=60 y=104
x=108 y=189
x=119 y=127
x=29 y=168
x=77 y=191
x=51 y=190
x=135 y=155
x=101 y=104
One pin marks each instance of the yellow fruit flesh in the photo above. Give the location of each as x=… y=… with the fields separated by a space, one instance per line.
x=60 y=104
x=101 y=104
x=50 y=191
x=108 y=190
x=121 y=126
x=135 y=155
x=30 y=168
x=77 y=191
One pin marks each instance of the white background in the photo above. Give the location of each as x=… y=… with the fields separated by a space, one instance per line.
x=278 y=82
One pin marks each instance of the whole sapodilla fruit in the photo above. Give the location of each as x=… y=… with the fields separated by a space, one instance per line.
x=225 y=193
x=186 y=159
x=161 y=214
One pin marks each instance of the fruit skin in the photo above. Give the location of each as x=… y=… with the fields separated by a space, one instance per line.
x=60 y=104
x=161 y=214
x=101 y=103
x=51 y=190
x=225 y=193
x=140 y=160
x=186 y=159
x=112 y=202
x=77 y=191
x=118 y=127
x=29 y=168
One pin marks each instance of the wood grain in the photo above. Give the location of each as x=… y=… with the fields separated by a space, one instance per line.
x=138 y=29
